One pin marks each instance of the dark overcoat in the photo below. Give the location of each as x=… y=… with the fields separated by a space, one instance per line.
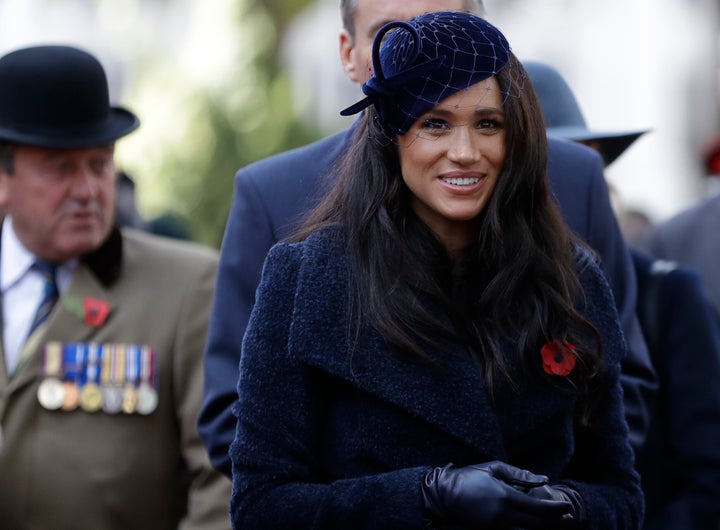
x=680 y=462
x=328 y=438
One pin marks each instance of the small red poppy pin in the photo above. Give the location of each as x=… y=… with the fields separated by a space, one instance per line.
x=558 y=358
x=95 y=311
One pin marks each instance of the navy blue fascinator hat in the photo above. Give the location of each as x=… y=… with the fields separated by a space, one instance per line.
x=563 y=117
x=427 y=59
x=57 y=96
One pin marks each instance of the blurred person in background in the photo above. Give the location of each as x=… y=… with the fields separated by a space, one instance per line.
x=167 y=224
x=679 y=463
x=690 y=237
x=126 y=211
x=103 y=329
x=272 y=196
x=565 y=120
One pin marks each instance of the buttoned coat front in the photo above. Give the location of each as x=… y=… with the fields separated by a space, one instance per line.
x=331 y=436
x=79 y=470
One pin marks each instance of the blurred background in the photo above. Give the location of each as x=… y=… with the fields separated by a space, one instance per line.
x=220 y=83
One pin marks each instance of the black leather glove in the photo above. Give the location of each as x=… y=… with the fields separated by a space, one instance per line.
x=489 y=495
x=562 y=492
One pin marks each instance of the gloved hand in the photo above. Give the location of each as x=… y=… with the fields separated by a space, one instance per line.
x=562 y=492
x=490 y=495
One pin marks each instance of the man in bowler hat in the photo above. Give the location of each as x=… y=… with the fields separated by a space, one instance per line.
x=272 y=195
x=103 y=329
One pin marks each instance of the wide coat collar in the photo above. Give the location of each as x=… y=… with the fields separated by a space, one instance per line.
x=439 y=397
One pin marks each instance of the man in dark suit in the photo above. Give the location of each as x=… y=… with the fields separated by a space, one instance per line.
x=272 y=195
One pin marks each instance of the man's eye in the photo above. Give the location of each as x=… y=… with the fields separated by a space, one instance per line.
x=101 y=165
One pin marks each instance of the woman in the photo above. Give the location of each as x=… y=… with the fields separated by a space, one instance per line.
x=434 y=351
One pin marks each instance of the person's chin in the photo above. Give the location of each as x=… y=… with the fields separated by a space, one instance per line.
x=83 y=240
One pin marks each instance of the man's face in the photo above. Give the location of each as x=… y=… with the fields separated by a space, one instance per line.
x=61 y=201
x=370 y=16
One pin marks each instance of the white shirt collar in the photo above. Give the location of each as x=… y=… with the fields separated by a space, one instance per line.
x=15 y=259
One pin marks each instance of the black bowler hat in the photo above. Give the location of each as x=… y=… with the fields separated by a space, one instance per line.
x=57 y=96
x=563 y=117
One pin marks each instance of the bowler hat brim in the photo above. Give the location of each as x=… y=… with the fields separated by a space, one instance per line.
x=118 y=123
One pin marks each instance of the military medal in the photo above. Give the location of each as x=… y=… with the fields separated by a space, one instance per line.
x=147 y=398
x=147 y=395
x=71 y=400
x=111 y=390
x=90 y=395
x=130 y=394
x=51 y=392
x=130 y=398
x=74 y=362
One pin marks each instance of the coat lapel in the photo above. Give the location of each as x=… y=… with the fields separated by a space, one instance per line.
x=439 y=397
x=66 y=324
x=451 y=397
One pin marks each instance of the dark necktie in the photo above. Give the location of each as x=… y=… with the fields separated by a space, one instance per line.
x=50 y=293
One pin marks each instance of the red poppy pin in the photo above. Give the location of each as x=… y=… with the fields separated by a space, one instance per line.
x=93 y=311
x=558 y=358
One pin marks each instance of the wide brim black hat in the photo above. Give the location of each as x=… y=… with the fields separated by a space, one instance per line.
x=564 y=119
x=611 y=144
x=58 y=97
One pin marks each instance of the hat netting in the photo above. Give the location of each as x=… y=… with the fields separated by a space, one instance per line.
x=428 y=59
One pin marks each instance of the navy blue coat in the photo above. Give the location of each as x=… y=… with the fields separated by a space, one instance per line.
x=680 y=461
x=327 y=439
x=270 y=198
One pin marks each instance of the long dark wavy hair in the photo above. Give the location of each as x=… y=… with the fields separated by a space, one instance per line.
x=517 y=284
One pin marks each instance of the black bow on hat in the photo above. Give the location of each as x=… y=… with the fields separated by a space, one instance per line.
x=57 y=96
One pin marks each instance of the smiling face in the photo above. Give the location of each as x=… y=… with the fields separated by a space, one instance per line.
x=369 y=17
x=451 y=159
x=60 y=200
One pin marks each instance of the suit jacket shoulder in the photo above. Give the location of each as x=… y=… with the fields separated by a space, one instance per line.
x=288 y=184
x=689 y=238
x=155 y=250
x=686 y=230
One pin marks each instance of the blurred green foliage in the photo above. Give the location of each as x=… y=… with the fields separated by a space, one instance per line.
x=197 y=133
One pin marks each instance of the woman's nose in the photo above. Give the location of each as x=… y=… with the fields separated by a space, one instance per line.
x=465 y=146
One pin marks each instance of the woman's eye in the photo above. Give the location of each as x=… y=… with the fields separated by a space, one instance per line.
x=490 y=124
x=435 y=124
